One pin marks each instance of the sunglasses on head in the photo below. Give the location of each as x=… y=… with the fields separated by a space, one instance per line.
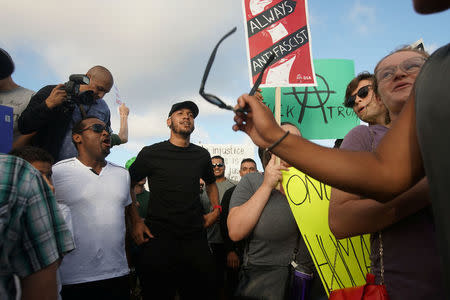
x=362 y=93
x=97 y=128
x=217 y=165
x=216 y=100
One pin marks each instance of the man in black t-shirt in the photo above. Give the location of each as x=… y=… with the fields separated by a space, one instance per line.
x=173 y=253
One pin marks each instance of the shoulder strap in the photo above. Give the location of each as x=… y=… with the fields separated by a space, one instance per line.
x=247 y=245
x=83 y=112
x=372 y=137
x=379 y=233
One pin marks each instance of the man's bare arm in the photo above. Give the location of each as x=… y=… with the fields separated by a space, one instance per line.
x=41 y=285
x=139 y=229
x=123 y=131
x=213 y=195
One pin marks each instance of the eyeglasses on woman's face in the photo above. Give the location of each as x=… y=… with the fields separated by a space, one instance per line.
x=410 y=66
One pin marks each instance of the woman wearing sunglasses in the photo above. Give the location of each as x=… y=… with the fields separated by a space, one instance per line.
x=360 y=96
x=410 y=257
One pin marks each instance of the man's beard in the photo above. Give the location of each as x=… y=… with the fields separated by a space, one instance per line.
x=106 y=151
x=184 y=133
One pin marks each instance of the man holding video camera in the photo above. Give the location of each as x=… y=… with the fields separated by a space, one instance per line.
x=53 y=110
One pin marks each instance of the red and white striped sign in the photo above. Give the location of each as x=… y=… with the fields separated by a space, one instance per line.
x=279 y=27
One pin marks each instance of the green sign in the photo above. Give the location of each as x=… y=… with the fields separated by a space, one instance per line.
x=319 y=111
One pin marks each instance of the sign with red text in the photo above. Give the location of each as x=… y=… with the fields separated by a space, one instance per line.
x=279 y=27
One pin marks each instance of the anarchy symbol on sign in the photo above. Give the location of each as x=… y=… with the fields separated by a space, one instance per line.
x=304 y=102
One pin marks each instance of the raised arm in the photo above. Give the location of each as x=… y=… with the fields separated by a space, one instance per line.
x=243 y=218
x=123 y=131
x=395 y=166
x=40 y=108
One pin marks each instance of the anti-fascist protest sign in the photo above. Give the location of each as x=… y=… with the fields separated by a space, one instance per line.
x=319 y=111
x=279 y=27
x=340 y=263
x=233 y=155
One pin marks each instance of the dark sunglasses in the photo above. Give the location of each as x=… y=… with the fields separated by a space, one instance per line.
x=362 y=93
x=217 y=165
x=216 y=100
x=97 y=128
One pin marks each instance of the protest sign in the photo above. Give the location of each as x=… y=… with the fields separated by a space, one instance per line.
x=233 y=155
x=279 y=27
x=6 y=128
x=340 y=263
x=319 y=111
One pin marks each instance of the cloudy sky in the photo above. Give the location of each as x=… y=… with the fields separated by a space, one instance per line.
x=157 y=51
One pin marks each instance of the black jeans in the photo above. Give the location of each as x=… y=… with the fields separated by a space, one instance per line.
x=220 y=259
x=166 y=265
x=117 y=288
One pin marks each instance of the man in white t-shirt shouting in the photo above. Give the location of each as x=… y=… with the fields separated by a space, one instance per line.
x=97 y=193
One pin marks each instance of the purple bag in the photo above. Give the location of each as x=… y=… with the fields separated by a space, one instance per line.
x=301 y=285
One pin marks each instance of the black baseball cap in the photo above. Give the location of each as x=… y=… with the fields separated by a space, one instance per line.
x=6 y=64
x=185 y=104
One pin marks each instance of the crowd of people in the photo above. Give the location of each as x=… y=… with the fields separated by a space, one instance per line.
x=76 y=226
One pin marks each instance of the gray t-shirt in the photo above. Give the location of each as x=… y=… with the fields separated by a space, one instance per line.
x=411 y=261
x=213 y=232
x=275 y=236
x=433 y=115
x=18 y=99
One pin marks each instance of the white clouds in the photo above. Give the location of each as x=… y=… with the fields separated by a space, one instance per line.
x=200 y=136
x=151 y=123
x=156 y=50
x=136 y=40
x=133 y=146
x=363 y=17
x=430 y=48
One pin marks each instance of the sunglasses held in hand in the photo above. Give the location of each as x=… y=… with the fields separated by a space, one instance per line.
x=216 y=100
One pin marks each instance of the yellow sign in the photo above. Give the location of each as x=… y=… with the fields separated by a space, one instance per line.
x=340 y=263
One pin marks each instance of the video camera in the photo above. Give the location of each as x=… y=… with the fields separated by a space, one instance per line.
x=72 y=88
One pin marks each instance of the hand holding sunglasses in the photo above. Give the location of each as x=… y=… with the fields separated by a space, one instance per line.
x=216 y=100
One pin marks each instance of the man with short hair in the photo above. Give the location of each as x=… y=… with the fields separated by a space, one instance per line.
x=233 y=250
x=97 y=193
x=173 y=253
x=38 y=158
x=33 y=234
x=52 y=116
x=248 y=165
